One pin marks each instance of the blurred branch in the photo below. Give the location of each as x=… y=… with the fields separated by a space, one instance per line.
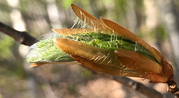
x=26 y=39
x=20 y=37
x=147 y=91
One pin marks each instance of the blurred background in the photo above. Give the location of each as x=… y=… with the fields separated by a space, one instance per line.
x=156 y=21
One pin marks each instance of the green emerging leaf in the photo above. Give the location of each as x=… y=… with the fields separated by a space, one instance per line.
x=46 y=51
x=112 y=42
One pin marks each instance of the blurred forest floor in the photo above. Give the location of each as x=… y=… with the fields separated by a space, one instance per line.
x=38 y=17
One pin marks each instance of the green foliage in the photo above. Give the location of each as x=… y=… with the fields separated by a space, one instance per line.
x=67 y=3
x=160 y=32
x=5 y=47
x=121 y=5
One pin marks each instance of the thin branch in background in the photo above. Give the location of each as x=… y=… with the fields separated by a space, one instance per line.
x=147 y=91
x=20 y=37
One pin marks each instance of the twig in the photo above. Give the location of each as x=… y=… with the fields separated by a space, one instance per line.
x=172 y=87
x=20 y=37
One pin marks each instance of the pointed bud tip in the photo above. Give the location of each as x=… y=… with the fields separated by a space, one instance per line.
x=36 y=64
x=55 y=30
x=55 y=40
x=33 y=65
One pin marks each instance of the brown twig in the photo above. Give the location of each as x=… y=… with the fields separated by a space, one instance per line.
x=20 y=37
x=172 y=87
